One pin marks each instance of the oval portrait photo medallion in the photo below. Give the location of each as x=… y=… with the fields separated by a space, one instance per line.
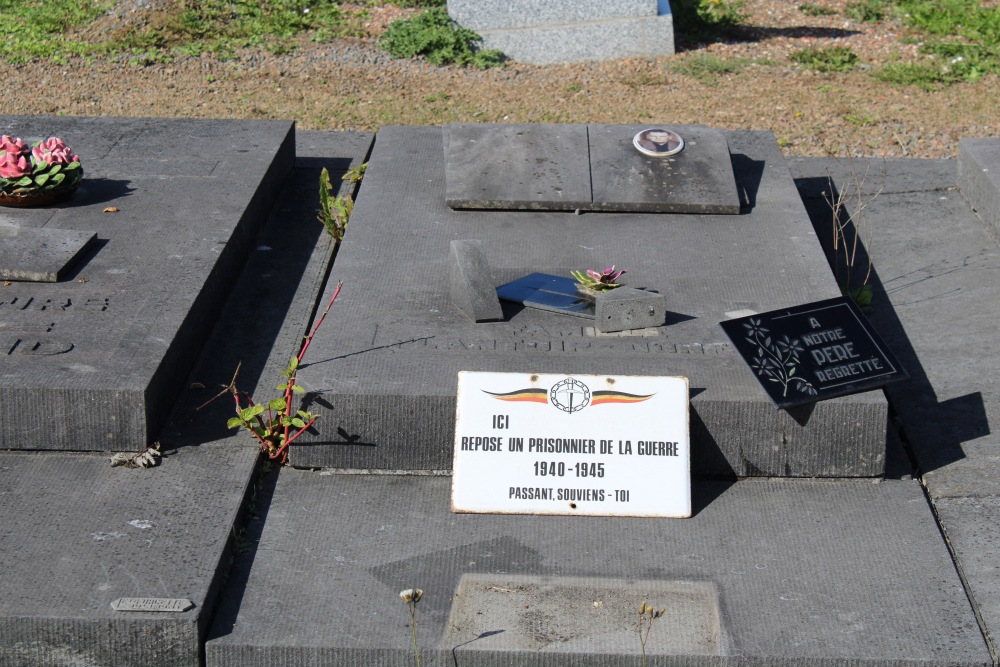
x=658 y=143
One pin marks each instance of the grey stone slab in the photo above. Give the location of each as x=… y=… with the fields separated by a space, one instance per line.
x=40 y=255
x=79 y=534
x=384 y=376
x=972 y=527
x=473 y=290
x=699 y=179
x=626 y=308
x=608 y=39
x=937 y=271
x=100 y=356
x=979 y=178
x=767 y=572
x=517 y=166
x=493 y=14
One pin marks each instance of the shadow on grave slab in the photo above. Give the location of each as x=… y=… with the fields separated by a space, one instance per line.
x=953 y=421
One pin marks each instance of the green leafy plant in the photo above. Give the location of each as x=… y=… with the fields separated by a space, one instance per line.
x=601 y=282
x=276 y=424
x=410 y=597
x=433 y=35
x=866 y=11
x=356 y=175
x=831 y=59
x=646 y=617
x=706 y=19
x=334 y=211
x=810 y=9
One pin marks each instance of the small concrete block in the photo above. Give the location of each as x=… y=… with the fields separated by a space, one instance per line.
x=627 y=308
x=40 y=254
x=495 y=14
x=473 y=290
x=979 y=178
x=492 y=166
x=699 y=179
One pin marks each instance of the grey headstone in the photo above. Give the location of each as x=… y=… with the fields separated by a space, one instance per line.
x=395 y=352
x=979 y=178
x=472 y=287
x=784 y=573
x=517 y=166
x=493 y=14
x=40 y=255
x=540 y=32
x=699 y=179
x=101 y=357
x=626 y=308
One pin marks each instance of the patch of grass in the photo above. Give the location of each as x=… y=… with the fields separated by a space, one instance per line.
x=922 y=75
x=966 y=36
x=831 y=59
x=866 y=11
x=703 y=20
x=37 y=29
x=433 y=35
x=861 y=119
x=810 y=9
x=707 y=68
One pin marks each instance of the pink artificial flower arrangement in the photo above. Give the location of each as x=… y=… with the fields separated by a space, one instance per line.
x=605 y=280
x=44 y=166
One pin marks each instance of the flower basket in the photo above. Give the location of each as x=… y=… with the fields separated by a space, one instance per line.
x=44 y=173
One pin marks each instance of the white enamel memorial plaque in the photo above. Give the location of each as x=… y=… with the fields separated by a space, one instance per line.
x=572 y=444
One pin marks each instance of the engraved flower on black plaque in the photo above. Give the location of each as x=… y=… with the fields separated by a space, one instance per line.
x=777 y=360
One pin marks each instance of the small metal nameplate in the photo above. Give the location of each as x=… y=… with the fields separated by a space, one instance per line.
x=170 y=605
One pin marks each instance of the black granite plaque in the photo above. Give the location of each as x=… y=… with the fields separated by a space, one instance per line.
x=548 y=292
x=813 y=352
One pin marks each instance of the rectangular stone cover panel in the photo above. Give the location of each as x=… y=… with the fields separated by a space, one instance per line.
x=517 y=166
x=587 y=168
x=699 y=179
x=40 y=255
x=94 y=362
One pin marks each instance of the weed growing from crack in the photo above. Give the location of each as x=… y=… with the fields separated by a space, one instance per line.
x=410 y=597
x=646 y=617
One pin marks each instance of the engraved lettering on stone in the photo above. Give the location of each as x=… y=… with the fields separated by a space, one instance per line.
x=169 y=605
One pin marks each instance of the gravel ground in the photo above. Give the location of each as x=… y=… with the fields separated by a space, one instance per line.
x=351 y=84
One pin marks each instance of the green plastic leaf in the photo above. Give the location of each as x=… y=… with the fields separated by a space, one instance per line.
x=25 y=181
x=41 y=179
x=234 y=422
x=72 y=166
x=55 y=169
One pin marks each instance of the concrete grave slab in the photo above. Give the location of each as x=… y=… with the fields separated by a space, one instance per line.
x=384 y=376
x=935 y=276
x=699 y=179
x=543 y=167
x=100 y=356
x=775 y=572
x=979 y=178
x=540 y=32
x=79 y=534
x=82 y=538
x=40 y=254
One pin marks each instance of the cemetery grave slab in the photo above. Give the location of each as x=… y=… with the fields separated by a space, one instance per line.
x=586 y=168
x=39 y=254
x=94 y=362
x=385 y=376
x=85 y=542
x=786 y=573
